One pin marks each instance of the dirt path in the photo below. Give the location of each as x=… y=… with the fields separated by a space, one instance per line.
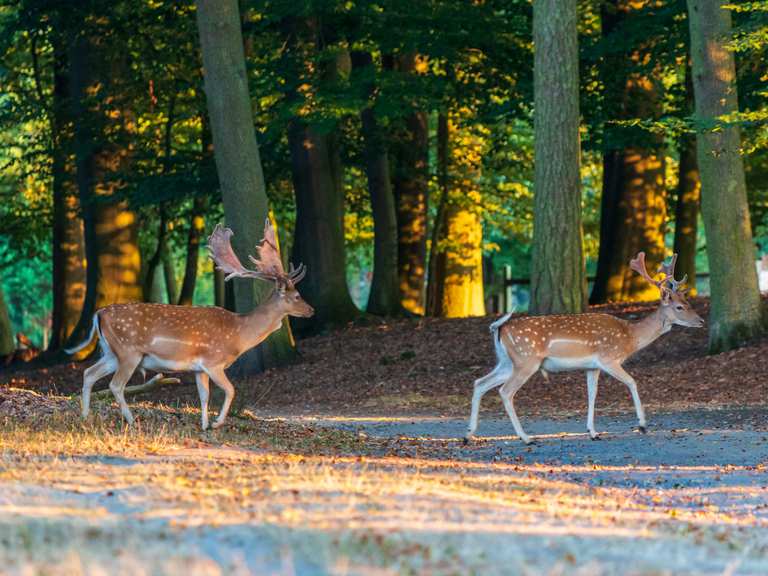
x=689 y=497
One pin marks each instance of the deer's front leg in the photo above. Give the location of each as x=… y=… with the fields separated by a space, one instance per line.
x=203 y=390
x=592 y=376
x=220 y=379
x=618 y=372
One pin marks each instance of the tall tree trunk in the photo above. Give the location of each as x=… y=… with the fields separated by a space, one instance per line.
x=197 y=219
x=634 y=195
x=688 y=198
x=456 y=263
x=317 y=180
x=151 y=294
x=687 y=211
x=410 y=181
x=103 y=152
x=238 y=162
x=194 y=236
x=68 y=245
x=384 y=297
x=169 y=275
x=736 y=313
x=558 y=282
x=7 y=343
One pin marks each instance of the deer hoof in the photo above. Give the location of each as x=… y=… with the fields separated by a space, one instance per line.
x=217 y=425
x=528 y=441
x=642 y=429
x=595 y=437
x=466 y=440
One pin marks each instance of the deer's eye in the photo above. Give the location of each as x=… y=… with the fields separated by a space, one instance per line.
x=679 y=307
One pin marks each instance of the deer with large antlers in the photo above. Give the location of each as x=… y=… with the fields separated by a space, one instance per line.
x=204 y=340
x=590 y=342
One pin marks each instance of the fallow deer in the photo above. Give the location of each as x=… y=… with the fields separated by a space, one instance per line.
x=590 y=342
x=200 y=339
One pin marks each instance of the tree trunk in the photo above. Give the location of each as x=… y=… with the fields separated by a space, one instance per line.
x=68 y=250
x=410 y=181
x=194 y=236
x=455 y=287
x=736 y=313
x=169 y=275
x=384 y=297
x=688 y=198
x=103 y=152
x=634 y=203
x=7 y=343
x=317 y=176
x=687 y=212
x=558 y=282
x=151 y=293
x=237 y=162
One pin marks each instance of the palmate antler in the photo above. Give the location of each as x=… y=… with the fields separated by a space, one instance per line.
x=268 y=265
x=668 y=282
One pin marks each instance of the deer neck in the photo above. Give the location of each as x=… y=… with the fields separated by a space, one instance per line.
x=650 y=328
x=256 y=325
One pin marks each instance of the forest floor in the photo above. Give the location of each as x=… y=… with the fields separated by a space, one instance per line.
x=351 y=462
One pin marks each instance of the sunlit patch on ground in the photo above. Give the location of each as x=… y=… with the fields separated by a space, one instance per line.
x=275 y=496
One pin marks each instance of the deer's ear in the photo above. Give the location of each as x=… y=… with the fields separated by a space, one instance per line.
x=666 y=297
x=280 y=287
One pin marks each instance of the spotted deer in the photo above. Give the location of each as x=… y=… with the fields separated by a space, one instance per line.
x=200 y=339
x=590 y=342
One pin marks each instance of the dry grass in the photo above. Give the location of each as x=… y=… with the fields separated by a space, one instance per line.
x=268 y=497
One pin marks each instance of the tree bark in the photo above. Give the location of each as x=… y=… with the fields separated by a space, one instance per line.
x=410 y=181
x=7 y=342
x=68 y=250
x=687 y=212
x=634 y=203
x=384 y=297
x=103 y=151
x=151 y=293
x=558 y=282
x=736 y=312
x=194 y=236
x=238 y=163
x=456 y=264
x=169 y=275
x=318 y=184
x=688 y=198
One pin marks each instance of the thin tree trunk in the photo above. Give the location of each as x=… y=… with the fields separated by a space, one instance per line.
x=68 y=250
x=634 y=195
x=194 y=237
x=7 y=344
x=435 y=284
x=384 y=297
x=103 y=152
x=169 y=275
x=558 y=282
x=456 y=264
x=687 y=211
x=237 y=162
x=736 y=312
x=151 y=294
x=688 y=198
x=197 y=220
x=410 y=182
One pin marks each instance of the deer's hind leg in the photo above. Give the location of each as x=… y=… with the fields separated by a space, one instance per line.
x=510 y=388
x=106 y=365
x=592 y=376
x=124 y=372
x=497 y=377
